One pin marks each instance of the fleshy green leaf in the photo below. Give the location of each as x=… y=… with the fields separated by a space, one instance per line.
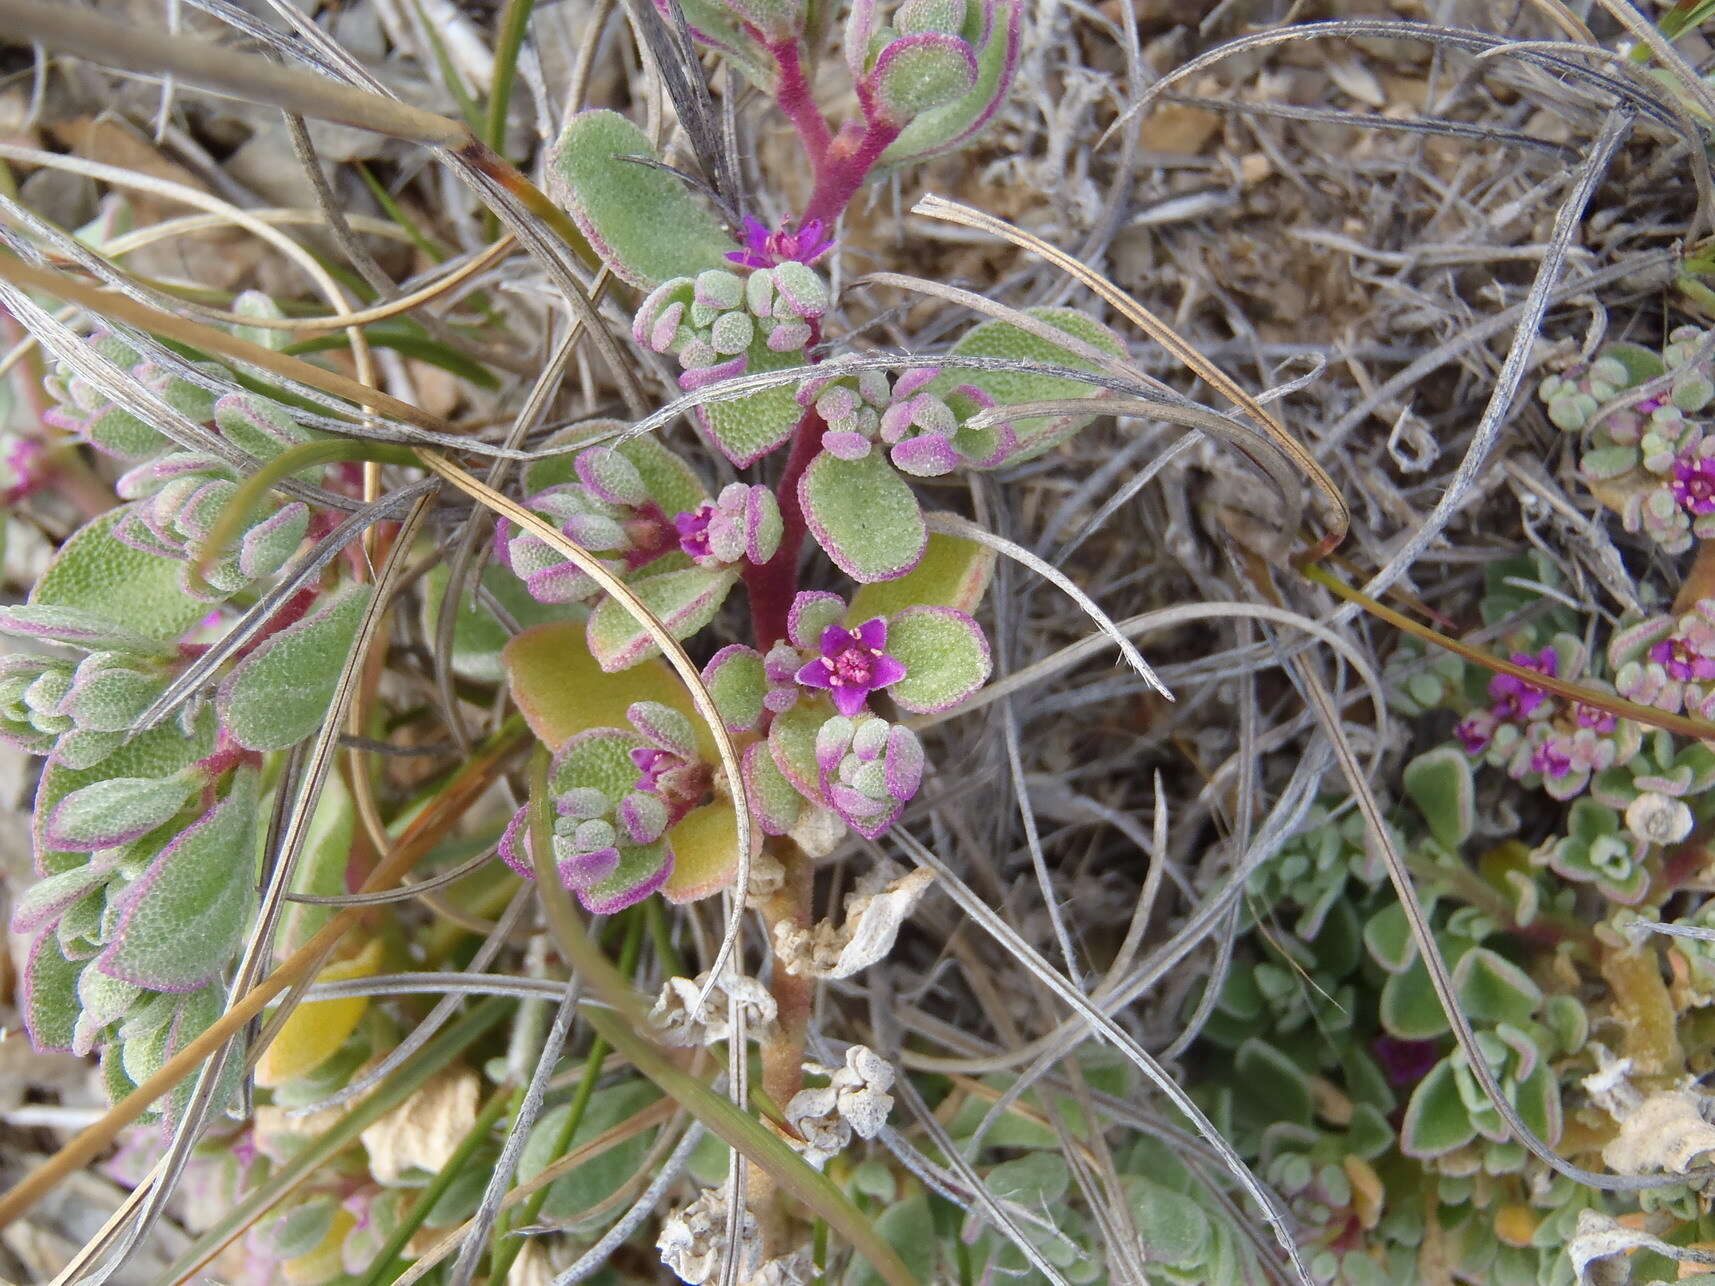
x=1035 y=1181
x=667 y=476
x=1492 y=989
x=46 y=900
x=1436 y=1119
x=705 y=850
x=684 y=601
x=116 y=811
x=280 y=693
x=1387 y=937
x=1002 y=339
x=77 y=627
x=992 y=28
x=562 y=691
x=601 y=1176
x=1173 y=1228
x=103 y=576
x=737 y=682
x=186 y=917
x=643 y=221
x=642 y=869
x=945 y=655
x=744 y=429
x=864 y=515
x=1439 y=783
x=158 y=753
x=1276 y=1087
x=49 y=994
x=774 y=801
x=952 y=573
x=1410 y=1009
x=792 y=745
x=921 y=72
x=909 y=1227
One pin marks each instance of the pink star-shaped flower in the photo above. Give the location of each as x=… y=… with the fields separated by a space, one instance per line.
x=853 y=664
x=765 y=249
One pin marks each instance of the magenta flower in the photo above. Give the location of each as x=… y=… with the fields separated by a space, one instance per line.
x=1680 y=662
x=852 y=665
x=1475 y=732
x=1693 y=483
x=765 y=249
x=1513 y=697
x=1593 y=717
x=1550 y=759
x=693 y=529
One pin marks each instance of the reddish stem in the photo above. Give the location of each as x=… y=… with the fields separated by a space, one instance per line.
x=847 y=161
x=773 y=585
x=795 y=99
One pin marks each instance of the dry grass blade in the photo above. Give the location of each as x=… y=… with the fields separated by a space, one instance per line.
x=951 y=525
x=226 y=71
x=1506 y=385
x=1026 y=955
x=206 y=338
x=1335 y=515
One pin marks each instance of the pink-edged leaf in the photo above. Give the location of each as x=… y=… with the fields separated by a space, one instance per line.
x=811 y=613
x=108 y=813
x=182 y=921
x=774 y=800
x=640 y=871
x=736 y=681
x=919 y=73
x=991 y=27
x=792 y=745
x=78 y=627
x=643 y=221
x=864 y=516
x=160 y=752
x=48 y=996
x=684 y=601
x=47 y=900
x=97 y=573
x=744 y=429
x=945 y=654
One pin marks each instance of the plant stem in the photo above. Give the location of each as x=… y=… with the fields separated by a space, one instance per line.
x=795 y=100
x=772 y=586
x=783 y=1052
x=847 y=162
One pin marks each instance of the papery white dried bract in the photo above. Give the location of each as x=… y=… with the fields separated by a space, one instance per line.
x=855 y=1100
x=681 y=1023
x=424 y=1131
x=693 y=1240
x=1665 y=1132
x=874 y=913
x=766 y=877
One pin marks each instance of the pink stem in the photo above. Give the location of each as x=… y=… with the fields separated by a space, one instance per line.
x=773 y=585
x=846 y=163
x=796 y=101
